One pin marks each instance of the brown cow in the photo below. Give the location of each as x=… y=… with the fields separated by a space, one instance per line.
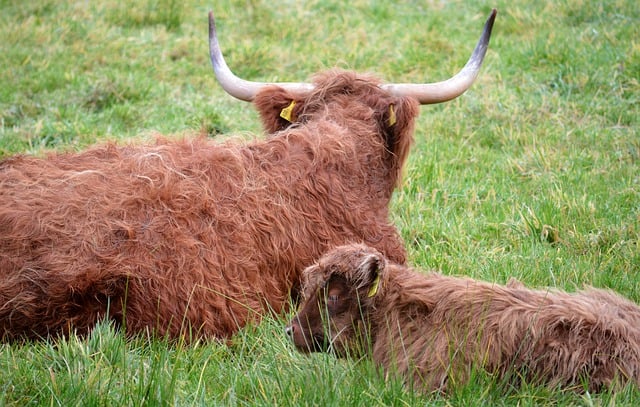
x=435 y=329
x=198 y=237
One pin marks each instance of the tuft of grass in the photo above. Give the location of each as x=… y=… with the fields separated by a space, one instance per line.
x=167 y=13
x=533 y=173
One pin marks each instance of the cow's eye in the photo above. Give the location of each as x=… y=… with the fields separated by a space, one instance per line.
x=333 y=298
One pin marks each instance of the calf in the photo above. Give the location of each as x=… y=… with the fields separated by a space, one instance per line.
x=435 y=329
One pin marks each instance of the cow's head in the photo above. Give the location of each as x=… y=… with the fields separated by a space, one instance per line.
x=360 y=103
x=338 y=293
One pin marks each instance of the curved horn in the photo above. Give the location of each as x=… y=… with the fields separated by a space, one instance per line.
x=237 y=87
x=429 y=93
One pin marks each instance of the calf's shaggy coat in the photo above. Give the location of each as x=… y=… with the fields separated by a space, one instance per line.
x=434 y=329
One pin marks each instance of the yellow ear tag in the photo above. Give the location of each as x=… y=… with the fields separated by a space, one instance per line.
x=288 y=111
x=374 y=287
x=392 y=115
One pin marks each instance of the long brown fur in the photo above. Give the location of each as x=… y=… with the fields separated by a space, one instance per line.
x=193 y=236
x=435 y=329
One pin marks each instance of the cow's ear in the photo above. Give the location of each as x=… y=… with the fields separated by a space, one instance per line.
x=369 y=273
x=397 y=119
x=277 y=108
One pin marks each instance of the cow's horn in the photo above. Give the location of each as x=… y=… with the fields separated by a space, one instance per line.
x=429 y=93
x=237 y=87
x=425 y=93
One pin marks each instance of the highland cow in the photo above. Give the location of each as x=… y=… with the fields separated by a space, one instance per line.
x=197 y=237
x=434 y=330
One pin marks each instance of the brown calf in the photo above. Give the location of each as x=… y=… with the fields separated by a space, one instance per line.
x=435 y=329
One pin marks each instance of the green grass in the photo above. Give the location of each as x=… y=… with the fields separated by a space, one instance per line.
x=533 y=173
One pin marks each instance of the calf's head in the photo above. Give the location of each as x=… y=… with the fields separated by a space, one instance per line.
x=338 y=294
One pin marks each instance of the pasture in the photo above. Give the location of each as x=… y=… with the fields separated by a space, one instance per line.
x=533 y=173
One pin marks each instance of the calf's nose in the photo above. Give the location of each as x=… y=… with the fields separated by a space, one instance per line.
x=289 y=329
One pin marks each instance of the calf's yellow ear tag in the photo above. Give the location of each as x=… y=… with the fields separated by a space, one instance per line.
x=287 y=112
x=374 y=286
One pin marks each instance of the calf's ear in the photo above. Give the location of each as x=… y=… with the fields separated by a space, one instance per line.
x=312 y=278
x=369 y=273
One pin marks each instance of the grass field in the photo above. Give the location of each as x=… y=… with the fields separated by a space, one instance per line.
x=533 y=173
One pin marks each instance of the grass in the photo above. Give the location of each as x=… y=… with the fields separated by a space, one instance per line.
x=533 y=173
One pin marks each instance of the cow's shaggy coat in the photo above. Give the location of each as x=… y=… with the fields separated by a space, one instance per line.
x=435 y=329
x=196 y=236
